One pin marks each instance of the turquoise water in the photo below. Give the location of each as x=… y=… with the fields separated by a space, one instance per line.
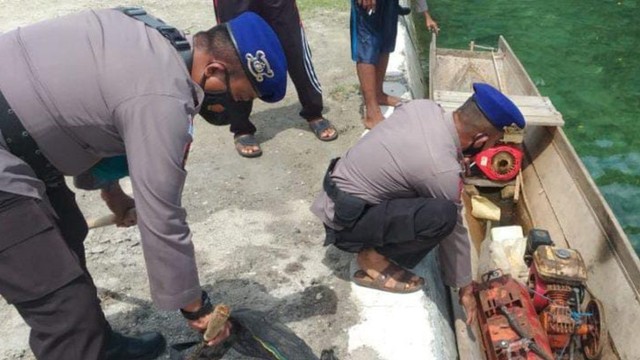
x=584 y=55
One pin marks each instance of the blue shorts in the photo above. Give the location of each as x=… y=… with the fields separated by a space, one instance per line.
x=375 y=34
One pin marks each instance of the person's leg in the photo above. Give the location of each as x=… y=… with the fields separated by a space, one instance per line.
x=67 y=323
x=381 y=70
x=73 y=229
x=44 y=276
x=389 y=33
x=243 y=129
x=368 y=49
x=228 y=9
x=239 y=111
x=402 y=230
x=431 y=220
x=368 y=87
x=284 y=18
x=43 y=279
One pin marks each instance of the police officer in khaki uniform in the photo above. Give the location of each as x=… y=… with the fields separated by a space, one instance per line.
x=395 y=195
x=122 y=88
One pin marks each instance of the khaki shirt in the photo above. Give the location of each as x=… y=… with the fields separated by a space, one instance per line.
x=99 y=84
x=413 y=153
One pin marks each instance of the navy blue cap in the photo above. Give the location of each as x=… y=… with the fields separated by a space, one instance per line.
x=496 y=107
x=261 y=55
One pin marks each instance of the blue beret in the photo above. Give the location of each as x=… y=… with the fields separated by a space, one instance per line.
x=497 y=108
x=261 y=55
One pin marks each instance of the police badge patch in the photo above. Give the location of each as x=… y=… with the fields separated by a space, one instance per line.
x=259 y=66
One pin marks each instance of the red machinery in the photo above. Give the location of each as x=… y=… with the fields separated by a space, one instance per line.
x=508 y=321
x=558 y=283
x=500 y=163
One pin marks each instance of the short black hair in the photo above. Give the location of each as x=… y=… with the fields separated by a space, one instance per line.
x=217 y=43
x=473 y=119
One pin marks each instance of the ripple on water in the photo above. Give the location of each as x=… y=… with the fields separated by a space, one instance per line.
x=627 y=164
x=624 y=200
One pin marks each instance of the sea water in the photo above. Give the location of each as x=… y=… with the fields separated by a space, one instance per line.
x=585 y=56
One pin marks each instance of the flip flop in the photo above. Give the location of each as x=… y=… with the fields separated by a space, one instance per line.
x=246 y=141
x=319 y=126
x=402 y=285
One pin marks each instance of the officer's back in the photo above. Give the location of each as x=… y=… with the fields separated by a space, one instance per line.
x=100 y=60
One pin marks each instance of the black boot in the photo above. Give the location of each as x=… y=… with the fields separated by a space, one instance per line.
x=404 y=10
x=146 y=346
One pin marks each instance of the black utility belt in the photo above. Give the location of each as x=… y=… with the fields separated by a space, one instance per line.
x=22 y=145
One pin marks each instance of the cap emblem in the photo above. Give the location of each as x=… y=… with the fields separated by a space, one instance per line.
x=259 y=66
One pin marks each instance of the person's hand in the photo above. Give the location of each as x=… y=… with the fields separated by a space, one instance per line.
x=431 y=24
x=467 y=161
x=120 y=204
x=468 y=302
x=201 y=326
x=214 y=324
x=368 y=5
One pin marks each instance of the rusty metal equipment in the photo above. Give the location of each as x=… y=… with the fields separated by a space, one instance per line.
x=500 y=163
x=509 y=325
x=557 y=283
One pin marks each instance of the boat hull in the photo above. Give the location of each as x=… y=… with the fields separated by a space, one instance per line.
x=557 y=193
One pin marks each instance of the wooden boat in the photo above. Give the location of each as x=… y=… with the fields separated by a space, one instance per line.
x=556 y=193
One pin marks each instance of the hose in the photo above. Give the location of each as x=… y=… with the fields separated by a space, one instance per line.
x=523 y=334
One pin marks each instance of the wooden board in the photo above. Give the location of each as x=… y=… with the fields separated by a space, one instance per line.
x=537 y=110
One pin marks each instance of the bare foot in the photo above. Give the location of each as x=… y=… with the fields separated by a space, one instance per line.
x=388 y=100
x=373 y=263
x=372 y=118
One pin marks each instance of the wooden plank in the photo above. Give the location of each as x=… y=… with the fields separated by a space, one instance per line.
x=537 y=110
x=521 y=100
x=468 y=337
x=432 y=63
x=527 y=111
x=532 y=115
x=542 y=102
x=484 y=182
x=609 y=224
x=520 y=82
x=531 y=120
x=474 y=55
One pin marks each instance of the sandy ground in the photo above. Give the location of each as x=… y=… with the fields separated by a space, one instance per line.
x=257 y=244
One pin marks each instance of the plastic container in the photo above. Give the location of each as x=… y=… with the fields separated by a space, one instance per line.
x=504 y=250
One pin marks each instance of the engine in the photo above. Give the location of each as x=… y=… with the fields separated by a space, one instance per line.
x=509 y=325
x=500 y=163
x=557 y=282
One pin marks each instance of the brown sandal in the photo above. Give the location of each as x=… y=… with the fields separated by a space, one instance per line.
x=403 y=285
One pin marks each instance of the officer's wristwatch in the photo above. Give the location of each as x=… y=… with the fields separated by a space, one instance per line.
x=205 y=309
